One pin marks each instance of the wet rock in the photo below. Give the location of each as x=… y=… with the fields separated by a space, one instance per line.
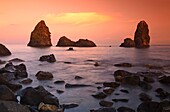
x=4 y=51
x=123 y=65
x=70 y=49
x=111 y=84
x=164 y=79
x=131 y=80
x=16 y=60
x=108 y=90
x=125 y=109
x=99 y=87
x=142 y=38
x=66 y=62
x=124 y=91
x=78 y=77
x=47 y=107
x=59 y=82
x=120 y=100
x=40 y=36
x=41 y=75
x=76 y=85
x=68 y=106
x=165 y=105
x=59 y=91
x=49 y=58
x=96 y=64
x=149 y=107
x=148 y=79
x=26 y=81
x=106 y=109
x=105 y=103
x=21 y=71
x=6 y=94
x=144 y=97
x=120 y=74
x=128 y=42
x=11 y=106
x=145 y=85
x=99 y=95
x=2 y=62
x=162 y=94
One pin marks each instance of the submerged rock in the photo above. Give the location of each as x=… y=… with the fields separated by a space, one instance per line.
x=131 y=80
x=120 y=100
x=108 y=90
x=128 y=42
x=16 y=60
x=121 y=74
x=59 y=82
x=142 y=38
x=99 y=95
x=76 y=85
x=40 y=36
x=144 y=97
x=41 y=75
x=165 y=79
x=106 y=109
x=4 y=51
x=105 y=103
x=125 y=109
x=65 y=42
x=49 y=58
x=26 y=81
x=68 y=106
x=123 y=65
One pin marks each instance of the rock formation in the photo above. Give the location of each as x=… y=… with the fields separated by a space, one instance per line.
x=142 y=38
x=40 y=36
x=4 y=51
x=128 y=42
x=65 y=42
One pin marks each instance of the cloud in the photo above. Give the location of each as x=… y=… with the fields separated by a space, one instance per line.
x=77 y=18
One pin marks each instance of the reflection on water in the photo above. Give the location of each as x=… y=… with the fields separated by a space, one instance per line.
x=82 y=64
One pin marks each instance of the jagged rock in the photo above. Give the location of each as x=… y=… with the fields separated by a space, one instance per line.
x=41 y=75
x=142 y=38
x=40 y=36
x=4 y=51
x=65 y=42
x=125 y=109
x=128 y=42
x=105 y=103
x=49 y=58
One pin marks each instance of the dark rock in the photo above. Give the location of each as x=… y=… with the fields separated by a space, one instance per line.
x=70 y=49
x=106 y=109
x=59 y=82
x=165 y=79
x=148 y=79
x=11 y=106
x=144 y=97
x=149 y=107
x=162 y=94
x=120 y=100
x=2 y=62
x=165 y=105
x=6 y=94
x=120 y=74
x=123 y=65
x=131 y=80
x=125 y=109
x=150 y=66
x=4 y=51
x=40 y=36
x=59 y=91
x=78 y=77
x=142 y=38
x=128 y=42
x=49 y=58
x=99 y=87
x=105 y=103
x=41 y=75
x=68 y=62
x=68 y=106
x=99 y=95
x=96 y=64
x=76 y=85
x=124 y=91
x=16 y=60
x=21 y=71
x=111 y=84
x=26 y=81
x=145 y=85
x=108 y=90
x=65 y=42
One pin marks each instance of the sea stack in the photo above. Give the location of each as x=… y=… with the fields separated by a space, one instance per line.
x=40 y=36
x=65 y=42
x=128 y=42
x=142 y=38
x=4 y=51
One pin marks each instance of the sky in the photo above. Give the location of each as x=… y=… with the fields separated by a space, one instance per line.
x=102 y=21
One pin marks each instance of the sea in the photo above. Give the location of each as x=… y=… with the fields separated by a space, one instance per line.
x=81 y=63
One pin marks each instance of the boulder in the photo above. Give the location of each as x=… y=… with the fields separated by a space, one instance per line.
x=120 y=100
x=21 y=71
x=106 y=109
x=99 y=95
x=40 y=36
x=149 y=107
x=26 y=81
x=120 y=74
x=128 y=42
x=65 y=42
x=41 y=75
x=144 y=85
x=71 y=105
x=148 y=79
x=59 y=91
x=162 y=94
x=144 y=97
x=131 y=80
x=108 y=90
x=164 y=79
x=105 y=103
x=4 y=51
x=142 y=38
x=49 y=58
x=125 y=109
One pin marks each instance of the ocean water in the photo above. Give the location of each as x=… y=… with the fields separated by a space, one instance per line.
x=82 y=64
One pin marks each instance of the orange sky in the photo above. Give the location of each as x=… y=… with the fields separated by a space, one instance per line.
x=103 y=21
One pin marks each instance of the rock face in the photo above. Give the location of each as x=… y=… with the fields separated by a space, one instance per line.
x=142 y=38
x=4 y=51
x=128 y=42
x=65 y=42
x=40 y=36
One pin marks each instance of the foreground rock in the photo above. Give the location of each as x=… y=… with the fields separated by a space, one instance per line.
x=165 y=79
x=4 y=51
x=65 y=42
x=128 y=42
x=142 y=38
x=99 y=95
x=105 y=103
x=125 y=109
x=40 y=36
x=107 y=109
x=11 y=106
x=41 y=75
x=49 y=58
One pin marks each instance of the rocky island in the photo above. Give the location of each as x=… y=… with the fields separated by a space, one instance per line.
x=4 y=51
x=40 y=36
x=65 y=42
